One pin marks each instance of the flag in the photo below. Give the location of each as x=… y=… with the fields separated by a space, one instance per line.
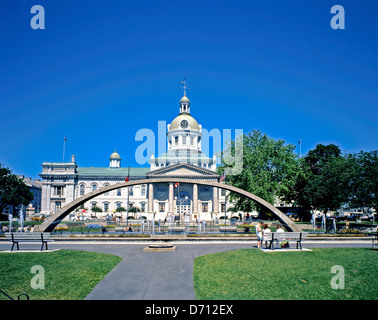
x=222 y=177
x=127 y=179
x=176 y=184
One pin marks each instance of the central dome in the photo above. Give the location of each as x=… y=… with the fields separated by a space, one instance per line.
x=180 y=123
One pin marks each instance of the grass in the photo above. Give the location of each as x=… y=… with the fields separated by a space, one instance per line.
x=250 y=274
x=68 y=274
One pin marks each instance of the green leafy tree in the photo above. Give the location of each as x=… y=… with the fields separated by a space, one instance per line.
x=134 y=210
x=13 y=191
x=96 y=209
x=364 y=179
x=317 y=158
x=269 y=170
x=324 y=182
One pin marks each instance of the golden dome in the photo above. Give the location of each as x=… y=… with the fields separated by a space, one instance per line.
x=115 y=156
x=184 y=99
x=190 y=124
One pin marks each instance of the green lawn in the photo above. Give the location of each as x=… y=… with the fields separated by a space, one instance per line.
x=68 y=274
x=252 y=274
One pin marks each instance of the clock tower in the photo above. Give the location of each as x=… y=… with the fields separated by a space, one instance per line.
x=184 y=140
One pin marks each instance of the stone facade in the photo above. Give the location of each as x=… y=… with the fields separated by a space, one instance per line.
x=64 y=182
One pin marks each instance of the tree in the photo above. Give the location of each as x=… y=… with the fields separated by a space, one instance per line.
x=96 y=210
x=13 y=191
x=269 y=170
x=364 y=179
x=318 y=157
x=324 y=181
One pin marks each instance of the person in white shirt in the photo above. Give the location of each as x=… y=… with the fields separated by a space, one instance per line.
x=266 y=234
x=279 y=237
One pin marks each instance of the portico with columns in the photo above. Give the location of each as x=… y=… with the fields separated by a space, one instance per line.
x=183 y=200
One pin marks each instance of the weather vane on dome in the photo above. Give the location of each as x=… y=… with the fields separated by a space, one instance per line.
x=185 y=86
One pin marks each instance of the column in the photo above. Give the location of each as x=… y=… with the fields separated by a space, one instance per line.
x=215 y=201
x=45 y=197
x=170 y=209
x=150 y=198
x=195 y=198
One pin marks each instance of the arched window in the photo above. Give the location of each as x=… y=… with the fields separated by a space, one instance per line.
x=94 y=187
x=82 y=189
x=106 y=185
x=106 y=206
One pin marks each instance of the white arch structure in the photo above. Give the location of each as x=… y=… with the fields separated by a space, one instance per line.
x=52 y=221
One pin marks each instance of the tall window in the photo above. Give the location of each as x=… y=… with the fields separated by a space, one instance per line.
x=118 y=205
x=58 y=190
x=143 y=207
x=106 y=206
x=131 y=191
x=176 y=140
x=119 y=192
x=106 y=185
x=94 y=187
x=58 y=205
x=143 y=191
x=82 y=189
x=161 y=207
x=205 y=207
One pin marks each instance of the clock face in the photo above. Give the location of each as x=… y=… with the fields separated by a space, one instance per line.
x=184 y=123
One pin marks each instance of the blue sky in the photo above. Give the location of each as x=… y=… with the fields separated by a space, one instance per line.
x=100 y=71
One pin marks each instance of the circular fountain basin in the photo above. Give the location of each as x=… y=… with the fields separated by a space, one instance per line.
x=160 y=248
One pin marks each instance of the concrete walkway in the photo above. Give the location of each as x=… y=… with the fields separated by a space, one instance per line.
x=149 y=275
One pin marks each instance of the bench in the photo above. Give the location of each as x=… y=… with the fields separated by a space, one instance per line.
x=17 y=237
x=284 y=236
x=228 y=229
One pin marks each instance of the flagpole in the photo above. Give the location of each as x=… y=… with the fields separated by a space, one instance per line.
x=128 y=198
x=300 y=149
x=64 y=146
x=225 y=203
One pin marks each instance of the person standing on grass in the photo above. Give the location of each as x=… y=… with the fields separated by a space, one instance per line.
x=259 y=234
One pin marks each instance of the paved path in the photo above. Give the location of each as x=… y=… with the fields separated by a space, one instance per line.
x=158 y=275
x=152 y=275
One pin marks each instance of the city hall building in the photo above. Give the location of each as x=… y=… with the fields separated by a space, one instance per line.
x=63 y=182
